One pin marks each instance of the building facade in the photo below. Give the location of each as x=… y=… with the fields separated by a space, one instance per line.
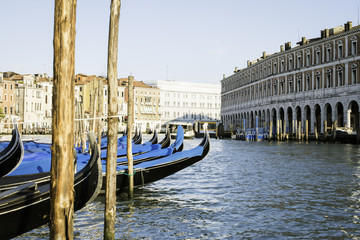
x=146 y=105
x=86 y=87
x=315 y=84
x=185 y=101
x=8 y=104
x=33 y=101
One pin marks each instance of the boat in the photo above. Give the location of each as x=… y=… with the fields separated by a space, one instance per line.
x=177 y=146
x=166 y=141
x=211 y=127
x=187 y=126
x=122 y=141
x=26 y=206
x=139 y=148
x=154 y=170
x=12 y=155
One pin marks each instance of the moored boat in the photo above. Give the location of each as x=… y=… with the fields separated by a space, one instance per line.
x=154 y=170
x=177 y=146
x=211 y=128
x=12 y=155
x=139 y=148
x=187 y=126
x=26 y=206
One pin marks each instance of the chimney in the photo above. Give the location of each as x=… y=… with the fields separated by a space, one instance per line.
x=223 y=76
x=264 y=55
x=248 y=63
x=287 y=46
x=348 y=26
x=303 y=40
x=281 y=48
x=236 y=69
x=325 y=33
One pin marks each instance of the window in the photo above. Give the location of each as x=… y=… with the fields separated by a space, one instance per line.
x=317 y=81
x=353 y=47
x=340 y=51
x=308 y=59
x=298 y=86
x=340 y=78
x=308 y=82
x=328 y=54
x=291 y=89
x=275 y=88
x=290 y=64
x=354 y=74
x=299 y=61
x=328 y=79
x=317 y=57
x=5 y=86
x=282 y=66
x=5 y=110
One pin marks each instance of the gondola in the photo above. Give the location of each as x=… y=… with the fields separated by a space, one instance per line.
x=154 y=170
x=137 y=139
x=139 y=148
x=166 y=140
x=26 y=207
x=151 y=171
x=12 y=154
x=177 y=146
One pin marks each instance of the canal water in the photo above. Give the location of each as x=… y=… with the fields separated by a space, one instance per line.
x=241 y=190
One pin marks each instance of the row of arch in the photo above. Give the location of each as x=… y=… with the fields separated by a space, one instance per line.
x=318 y=117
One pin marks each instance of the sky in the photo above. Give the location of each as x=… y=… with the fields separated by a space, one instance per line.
x=185 y=41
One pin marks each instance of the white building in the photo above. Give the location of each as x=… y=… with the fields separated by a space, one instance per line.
x=33 y=101
x=46 y=84
x=314 y=85
x=185 y=101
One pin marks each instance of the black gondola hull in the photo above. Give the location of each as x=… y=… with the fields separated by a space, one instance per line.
x=12 y=155
x=28 y=210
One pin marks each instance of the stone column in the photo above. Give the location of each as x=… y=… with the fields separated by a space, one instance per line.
x=312 y=120
x=334 y=73
x=346 y=71
x=312 y=80
x=348 y=118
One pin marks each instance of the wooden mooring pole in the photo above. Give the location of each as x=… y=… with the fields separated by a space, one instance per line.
x=334 y=130
x=100 y=111
x=316 y=131
x=307 y=130
x=110 y=191
x=129 y=136
x=62 y=150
